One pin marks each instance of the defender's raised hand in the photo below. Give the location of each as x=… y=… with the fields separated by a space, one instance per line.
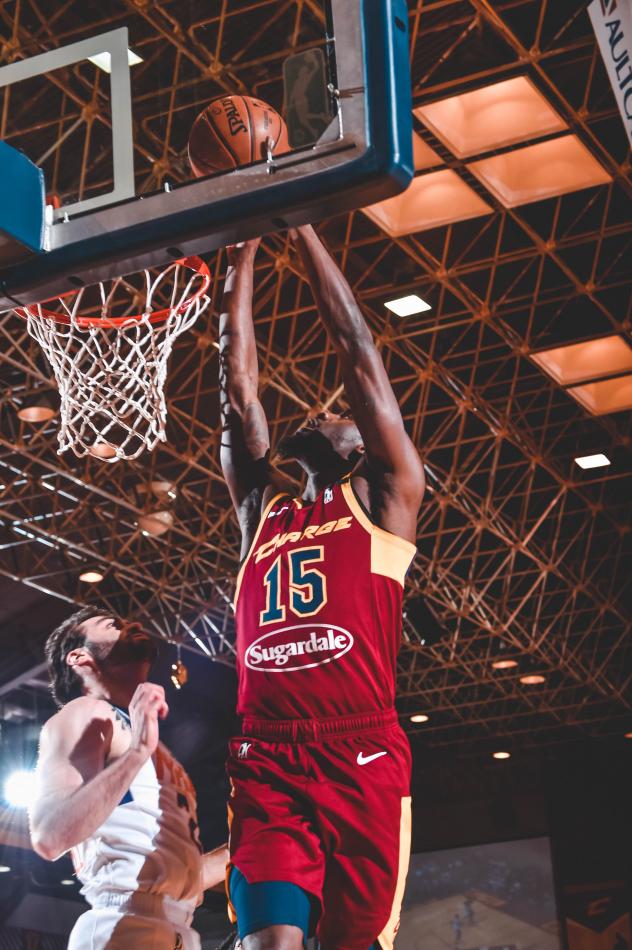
x=148 y=705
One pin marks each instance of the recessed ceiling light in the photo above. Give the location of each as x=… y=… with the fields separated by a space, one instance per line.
x=407 y=306
x=104 y=60
x=593 y=461
x=419 y=717
x=67 y=882
x=545 y=170
x=36 y=412
x=155 y=523
x=504 y=664
x=628 y=735
x=4 y=868
x=163 y=489
x=494 y=116
x=501 y=755
x=431 y=201
x=532 y=679
x=582 y=362
x=102 y=450
x=604 y=396
x=91 y=577
x=423 y=156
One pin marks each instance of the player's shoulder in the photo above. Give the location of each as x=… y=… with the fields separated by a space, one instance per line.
x=255 y=506
x=278 y=488
x=405 y=482
x=77 y=714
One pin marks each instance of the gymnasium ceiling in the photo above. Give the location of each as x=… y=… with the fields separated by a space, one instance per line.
x=522 y=555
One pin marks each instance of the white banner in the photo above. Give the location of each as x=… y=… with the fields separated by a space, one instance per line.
x=612 y=23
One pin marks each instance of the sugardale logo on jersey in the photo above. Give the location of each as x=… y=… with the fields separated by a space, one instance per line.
x=299 y=647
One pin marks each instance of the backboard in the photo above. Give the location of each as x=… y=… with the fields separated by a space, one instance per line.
x=104 y=108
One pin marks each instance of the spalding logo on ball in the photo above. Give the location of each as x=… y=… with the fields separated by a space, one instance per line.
x=233 y=131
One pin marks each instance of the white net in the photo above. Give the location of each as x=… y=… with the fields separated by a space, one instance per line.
x=110 y=366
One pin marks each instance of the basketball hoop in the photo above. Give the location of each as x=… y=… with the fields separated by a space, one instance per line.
x=110 y=361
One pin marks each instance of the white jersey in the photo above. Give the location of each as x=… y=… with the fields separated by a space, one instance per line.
x=150 y=842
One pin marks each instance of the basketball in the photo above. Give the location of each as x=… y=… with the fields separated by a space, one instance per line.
x=232 y=131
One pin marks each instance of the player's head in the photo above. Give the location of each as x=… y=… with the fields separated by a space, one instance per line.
x=93 y=651
x=327 y=441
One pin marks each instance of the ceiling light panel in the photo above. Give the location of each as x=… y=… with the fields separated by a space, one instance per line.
x=492 y=117
x=431 y=201
x=592 y=461
x=423 y=155
x=407 y=306
x=91 y=577
x=580 y=362
x=540 y=171
x=605 y=396
x=104 y=60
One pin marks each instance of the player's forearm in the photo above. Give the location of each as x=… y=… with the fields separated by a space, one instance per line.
x=367 y=386
x=334 y=298
x=366 y=382
x=238 y=352
x=214 y=867
x=59 y=823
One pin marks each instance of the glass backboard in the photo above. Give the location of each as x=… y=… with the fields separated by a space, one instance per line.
x=102 y=97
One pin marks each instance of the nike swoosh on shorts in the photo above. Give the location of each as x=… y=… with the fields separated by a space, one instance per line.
x=365 y=759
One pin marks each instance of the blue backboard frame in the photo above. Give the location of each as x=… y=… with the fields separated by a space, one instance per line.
x=366 y=158
x=22 y=211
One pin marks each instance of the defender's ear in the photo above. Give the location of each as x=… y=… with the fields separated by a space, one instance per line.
x=80 y=657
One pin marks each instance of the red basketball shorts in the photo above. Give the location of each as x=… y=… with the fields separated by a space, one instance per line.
x=324 y=804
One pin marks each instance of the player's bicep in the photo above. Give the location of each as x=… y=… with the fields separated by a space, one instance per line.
x=72 y=751
x=244 y=449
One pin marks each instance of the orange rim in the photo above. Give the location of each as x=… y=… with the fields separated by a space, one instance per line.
x=159 y=316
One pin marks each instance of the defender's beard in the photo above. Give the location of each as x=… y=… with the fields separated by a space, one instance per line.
x=125 y=651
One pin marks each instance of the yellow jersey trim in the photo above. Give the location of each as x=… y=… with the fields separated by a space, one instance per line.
x=264 y=516
x=386 y=939
x=391 y=556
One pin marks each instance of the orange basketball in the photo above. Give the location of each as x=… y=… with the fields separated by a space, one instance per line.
x=232 y=131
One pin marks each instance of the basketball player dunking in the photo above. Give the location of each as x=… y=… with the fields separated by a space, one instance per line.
x=111 y=793
x=320 y=830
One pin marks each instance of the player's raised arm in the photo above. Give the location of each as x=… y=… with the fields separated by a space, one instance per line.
x=245 y=445
x=393 y=467
x=76 y=791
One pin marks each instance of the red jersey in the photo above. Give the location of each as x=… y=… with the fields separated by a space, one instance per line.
x=319 y=610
